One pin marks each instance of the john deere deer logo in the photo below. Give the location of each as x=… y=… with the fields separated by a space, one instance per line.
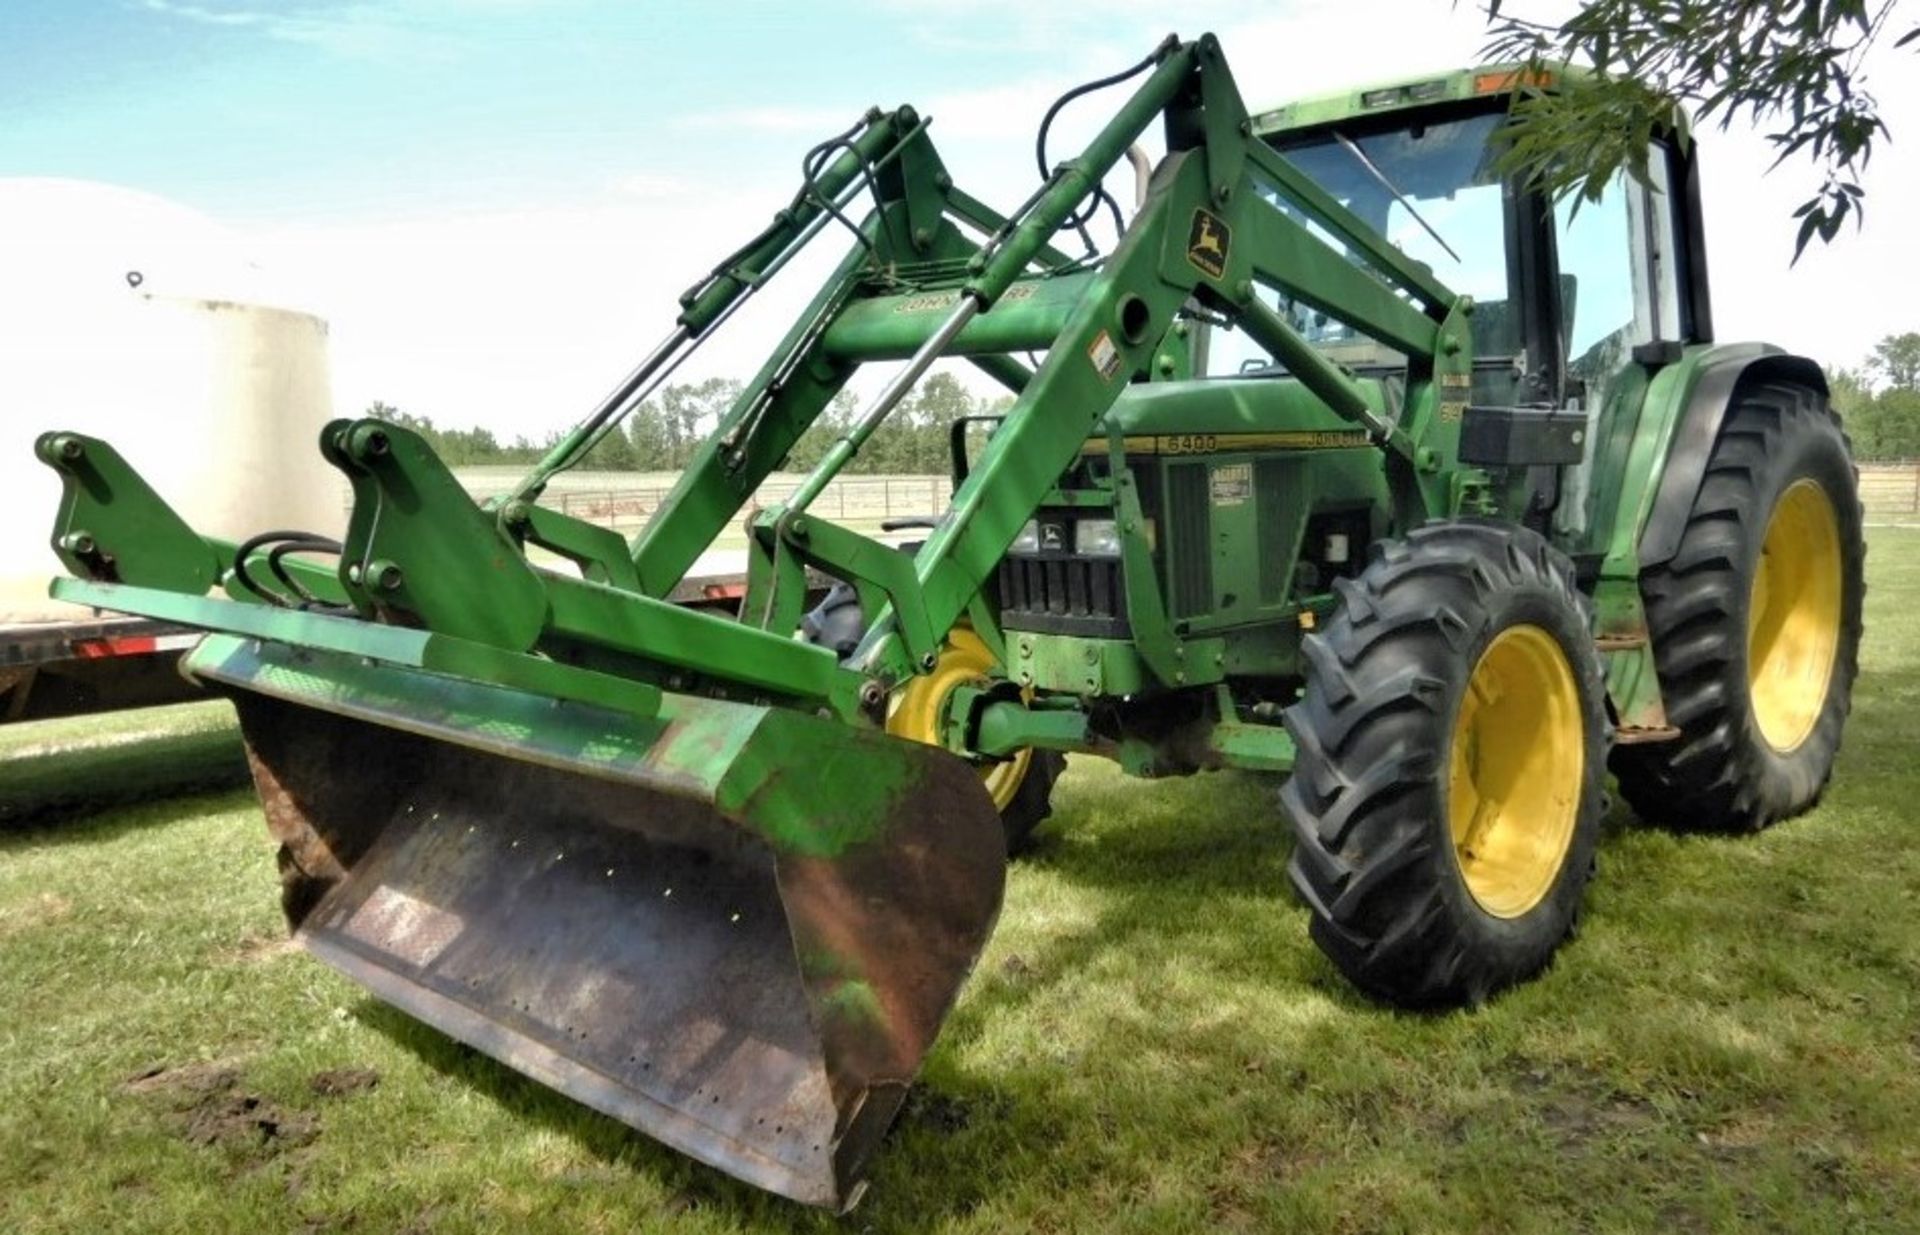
x=1207 y=244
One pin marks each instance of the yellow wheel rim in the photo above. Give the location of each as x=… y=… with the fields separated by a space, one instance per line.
x=1793 y=616
x=915 y=713
x=1516 y=769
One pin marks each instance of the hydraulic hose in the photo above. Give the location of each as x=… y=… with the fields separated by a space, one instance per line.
x=1078 y=221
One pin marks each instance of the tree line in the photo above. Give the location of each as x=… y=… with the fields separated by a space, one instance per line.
x=664 y=433
x=1879 y=401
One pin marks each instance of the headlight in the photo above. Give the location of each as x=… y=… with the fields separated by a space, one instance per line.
x=1096 y=538
x=1028 y=541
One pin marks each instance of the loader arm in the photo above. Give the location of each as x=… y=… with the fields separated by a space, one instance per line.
x=946 y=293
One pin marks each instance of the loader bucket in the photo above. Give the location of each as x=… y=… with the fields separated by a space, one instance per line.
x=736 y=928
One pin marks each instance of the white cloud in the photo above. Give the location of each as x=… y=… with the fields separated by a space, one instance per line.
x=655 y=187
x=814 y=122
x=1113 y=33
x=1006 y=113
x=206 y=16
x=357 y=29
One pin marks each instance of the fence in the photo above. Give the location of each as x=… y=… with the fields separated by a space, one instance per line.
x=1885 y=489
x=1890 y=488
x=854 y=499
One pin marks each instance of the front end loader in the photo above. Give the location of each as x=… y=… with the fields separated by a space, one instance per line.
x=1349 y=460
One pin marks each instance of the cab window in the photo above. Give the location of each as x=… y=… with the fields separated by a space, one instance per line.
x=1430 y=189
x=1619 y=284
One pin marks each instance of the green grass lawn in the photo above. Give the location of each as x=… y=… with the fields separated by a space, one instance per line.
x=1151 y=1043
x=55 y=768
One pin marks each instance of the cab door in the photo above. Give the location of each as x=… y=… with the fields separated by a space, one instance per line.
x=1624 y=294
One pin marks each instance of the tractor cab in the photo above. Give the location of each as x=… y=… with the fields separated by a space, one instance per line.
x=1565 y=293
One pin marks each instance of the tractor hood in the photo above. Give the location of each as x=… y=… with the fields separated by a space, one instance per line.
x=1251 y=405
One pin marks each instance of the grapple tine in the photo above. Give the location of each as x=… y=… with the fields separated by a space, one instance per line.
x=740 y=961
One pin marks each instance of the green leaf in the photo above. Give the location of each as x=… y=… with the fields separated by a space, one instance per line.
x=1814 y=218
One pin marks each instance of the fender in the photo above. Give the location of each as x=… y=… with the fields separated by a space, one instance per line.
x=1704 y=402
x=1682 y=407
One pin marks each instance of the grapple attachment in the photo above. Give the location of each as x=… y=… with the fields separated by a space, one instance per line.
x=735 y=928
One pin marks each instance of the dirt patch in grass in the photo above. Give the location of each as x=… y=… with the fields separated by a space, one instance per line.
x=257 y=950
x=1577 y=1107
x=247 y=1121
x=1264 y=1163
x=211 y=1076
x=1745 y=1133
x=340 y=1082
x=207 y=1107
x=948 y=1114
x=935 y=1111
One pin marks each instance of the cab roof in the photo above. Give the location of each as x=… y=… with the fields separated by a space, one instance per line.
x=1409 y=93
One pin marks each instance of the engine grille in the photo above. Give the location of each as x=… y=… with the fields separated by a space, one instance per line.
x=1063 y=595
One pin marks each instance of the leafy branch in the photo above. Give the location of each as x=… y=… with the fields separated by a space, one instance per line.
x=1792 y=68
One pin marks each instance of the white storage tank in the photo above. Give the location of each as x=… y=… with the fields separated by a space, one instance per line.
x=136 y=320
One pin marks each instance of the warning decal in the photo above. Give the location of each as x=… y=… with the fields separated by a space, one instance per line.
x=1230 y=484
x=1105 y=356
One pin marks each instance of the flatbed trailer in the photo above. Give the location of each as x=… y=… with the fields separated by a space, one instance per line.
x=54 y=669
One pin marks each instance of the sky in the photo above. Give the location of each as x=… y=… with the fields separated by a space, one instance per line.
x=495 y=203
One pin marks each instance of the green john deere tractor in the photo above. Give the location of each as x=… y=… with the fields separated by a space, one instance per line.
x=1349 y=460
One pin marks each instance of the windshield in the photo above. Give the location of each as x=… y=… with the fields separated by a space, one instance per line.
x=1431 y=191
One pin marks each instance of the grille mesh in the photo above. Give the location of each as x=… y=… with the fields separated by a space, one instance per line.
x=1188 y=515
x=1269 y=495
x=1065 y=595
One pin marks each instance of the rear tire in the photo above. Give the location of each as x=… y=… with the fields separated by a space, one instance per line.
x=1447 y=792
x=1758 y=679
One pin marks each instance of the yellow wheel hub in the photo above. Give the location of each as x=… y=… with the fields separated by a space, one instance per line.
x=917 y=711
x=1793 y=616
x=1514 y=778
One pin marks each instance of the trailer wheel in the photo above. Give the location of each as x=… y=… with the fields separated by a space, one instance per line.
x=1021 y=786
x=1755 y=623
x=1447 y=792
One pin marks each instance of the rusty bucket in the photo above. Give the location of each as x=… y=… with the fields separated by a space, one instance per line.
x=735 y=928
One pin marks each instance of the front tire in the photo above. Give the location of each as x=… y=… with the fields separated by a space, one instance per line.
x=1032 y=801
x=1021 y=785
x=1755 y=623
x=1447 y=791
